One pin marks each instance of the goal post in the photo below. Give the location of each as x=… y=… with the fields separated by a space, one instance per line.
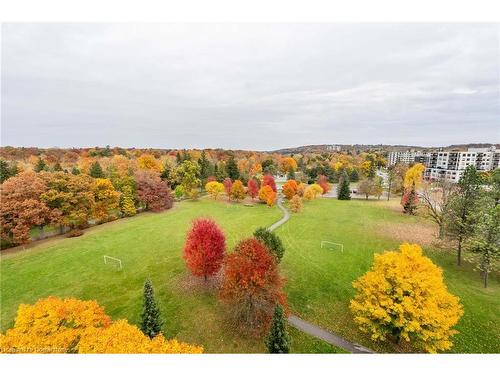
x=332 y=245
x=108 y=259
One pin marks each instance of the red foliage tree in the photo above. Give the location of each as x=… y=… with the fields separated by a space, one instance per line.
x=252 y=285
x=269 y=181
x=22 y=207
x=323 y=182
x=252 y=188
x=228 y=184
x=152 y=191
x=211 y=178
x=205 y=248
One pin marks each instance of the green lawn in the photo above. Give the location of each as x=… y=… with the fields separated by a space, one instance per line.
x=319 y=280
x=318 y=286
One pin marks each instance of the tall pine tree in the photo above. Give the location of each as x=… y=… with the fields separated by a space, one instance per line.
x=232 y=169
x=278 y=340
x=151 y=320
x=344 y=192
x=40 y=166
x=96 y=170
x=459 y=216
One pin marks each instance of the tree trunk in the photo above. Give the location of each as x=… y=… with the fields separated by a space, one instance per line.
x=205 y=276
x=441 y=231
x=459 y=252
x=41 y=236
x=485 y=279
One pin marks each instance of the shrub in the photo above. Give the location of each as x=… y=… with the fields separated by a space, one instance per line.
x=271 y=241
x=323 y=182
x=296 y=204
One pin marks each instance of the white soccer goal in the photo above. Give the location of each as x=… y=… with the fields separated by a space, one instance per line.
x=332 y=245
x=113 y=261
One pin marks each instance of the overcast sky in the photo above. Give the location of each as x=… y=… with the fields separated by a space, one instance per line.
x=249 y=86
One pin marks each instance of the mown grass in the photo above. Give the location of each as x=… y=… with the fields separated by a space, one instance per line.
x=319 y=280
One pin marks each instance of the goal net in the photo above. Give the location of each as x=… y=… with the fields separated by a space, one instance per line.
x=332 y=245
x=114 y=261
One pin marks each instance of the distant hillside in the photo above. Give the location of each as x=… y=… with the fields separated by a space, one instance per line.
x=379 y=147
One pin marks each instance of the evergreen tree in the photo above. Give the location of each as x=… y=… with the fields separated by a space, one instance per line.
x=96 y=170
x=178 y=158
x=151 y=320
x=354 y=175
x=344 y=192
x=7 y=171
x=232 y=169
x=460 y=210
x=278 y=340
x=204 y=166
x=40 y=166
x=409 y=200
x=75 y=171
x=220 y=172
x=272 y=242
x=57 y=167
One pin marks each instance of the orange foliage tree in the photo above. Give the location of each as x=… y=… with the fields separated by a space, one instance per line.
x=267 y=195
x=290 y=188
x=53 y=325
x=323 y=182
x=252 y=286
x=22 y=208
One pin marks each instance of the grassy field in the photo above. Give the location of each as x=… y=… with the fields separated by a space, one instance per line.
x=319 y=280
x=149 y=246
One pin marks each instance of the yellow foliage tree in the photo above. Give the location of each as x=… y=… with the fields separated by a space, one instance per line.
x=413 y=176
x=296 y=204
x=106 y=198
x=53 y=325
x=404 y=296
x=214 y=188
x=149 y=162
x=238 y=191
x=288 y=164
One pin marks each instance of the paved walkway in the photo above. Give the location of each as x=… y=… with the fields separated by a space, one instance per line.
x=285 y=217
x=310 y=328
x=324 y=335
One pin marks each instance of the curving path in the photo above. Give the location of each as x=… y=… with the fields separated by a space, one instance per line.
x=309 y=328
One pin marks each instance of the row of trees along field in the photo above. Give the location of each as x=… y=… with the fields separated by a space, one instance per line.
x=74 y=188
x=236 y=165
x=467 y=213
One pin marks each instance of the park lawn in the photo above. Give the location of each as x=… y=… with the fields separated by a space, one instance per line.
x=319 y=280
x=319 y=284
x=150 y=246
